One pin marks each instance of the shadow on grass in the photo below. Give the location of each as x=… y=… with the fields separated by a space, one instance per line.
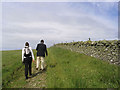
x=39 y=72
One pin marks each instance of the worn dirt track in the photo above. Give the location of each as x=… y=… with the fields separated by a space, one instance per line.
x=37 y=80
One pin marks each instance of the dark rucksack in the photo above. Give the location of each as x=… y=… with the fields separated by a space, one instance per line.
x=27 y=52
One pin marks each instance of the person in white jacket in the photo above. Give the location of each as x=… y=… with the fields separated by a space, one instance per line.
x=27 y=56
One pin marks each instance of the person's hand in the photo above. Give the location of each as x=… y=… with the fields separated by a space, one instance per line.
x=33 y=60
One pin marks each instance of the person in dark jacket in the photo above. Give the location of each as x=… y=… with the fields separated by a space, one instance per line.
x=41 y=51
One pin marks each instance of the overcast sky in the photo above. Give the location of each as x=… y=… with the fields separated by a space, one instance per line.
x=57 y=22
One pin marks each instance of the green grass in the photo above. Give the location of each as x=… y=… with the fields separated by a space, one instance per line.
x=68 y=69
x=65 y=69
x=10 y=64
x=12 y=69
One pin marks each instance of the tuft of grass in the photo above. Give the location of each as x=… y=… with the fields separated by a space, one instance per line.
x=68 y=69
x=11 y=63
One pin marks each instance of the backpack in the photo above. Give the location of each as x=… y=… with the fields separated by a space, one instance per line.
x=27 y=52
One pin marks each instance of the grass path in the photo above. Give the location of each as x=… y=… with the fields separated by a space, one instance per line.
x=13 y=77
x=38 y=79
x=65 y=69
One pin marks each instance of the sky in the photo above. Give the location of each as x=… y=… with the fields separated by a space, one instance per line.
x=57 y=22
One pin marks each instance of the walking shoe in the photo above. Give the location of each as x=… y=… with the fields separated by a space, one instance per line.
x=26 y=78
x=36 y=68
x=42 y=69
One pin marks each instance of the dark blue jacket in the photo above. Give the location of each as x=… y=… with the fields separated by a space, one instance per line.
x=41 y=49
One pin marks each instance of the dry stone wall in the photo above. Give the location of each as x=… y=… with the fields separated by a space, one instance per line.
x=104 y=50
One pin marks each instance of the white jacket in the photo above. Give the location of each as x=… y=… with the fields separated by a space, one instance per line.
x=24 y=56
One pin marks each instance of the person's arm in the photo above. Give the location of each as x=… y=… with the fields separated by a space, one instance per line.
x=22 y=54
x=32 y=54
x=37 y=47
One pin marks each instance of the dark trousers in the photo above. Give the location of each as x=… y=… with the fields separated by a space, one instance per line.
x=28 y=63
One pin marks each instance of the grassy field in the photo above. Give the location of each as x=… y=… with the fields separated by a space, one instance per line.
x=12 y=69
x=11 y=66
x=65 y=69
x=74 y=70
